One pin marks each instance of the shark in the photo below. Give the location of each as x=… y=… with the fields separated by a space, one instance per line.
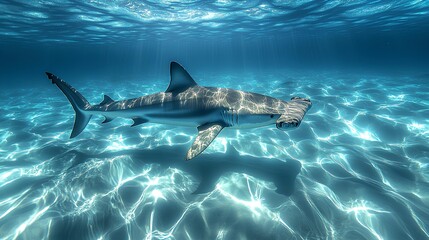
x=185 y=103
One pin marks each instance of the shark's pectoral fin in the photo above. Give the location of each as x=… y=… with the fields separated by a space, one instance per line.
x=138 y=121
x=206 y=134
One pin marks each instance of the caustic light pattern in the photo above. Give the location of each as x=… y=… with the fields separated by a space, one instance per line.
x=357 y=166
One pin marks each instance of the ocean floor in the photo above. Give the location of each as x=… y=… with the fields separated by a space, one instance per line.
x=356 y=168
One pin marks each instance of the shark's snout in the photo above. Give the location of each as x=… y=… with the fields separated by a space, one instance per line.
x=294 y=113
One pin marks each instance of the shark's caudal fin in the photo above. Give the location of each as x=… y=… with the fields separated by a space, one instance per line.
x=78 y=102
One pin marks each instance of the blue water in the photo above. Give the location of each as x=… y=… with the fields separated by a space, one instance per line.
x=356 y=167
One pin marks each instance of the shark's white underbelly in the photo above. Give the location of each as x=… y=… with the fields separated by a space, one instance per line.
x=165 y=114
x=184 y=118
x=190 y=117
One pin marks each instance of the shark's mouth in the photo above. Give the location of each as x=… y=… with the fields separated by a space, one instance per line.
x=288 y=124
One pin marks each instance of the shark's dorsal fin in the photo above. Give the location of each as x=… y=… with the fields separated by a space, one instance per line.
x=180 y=79
x=206 y=134
x=106 y=100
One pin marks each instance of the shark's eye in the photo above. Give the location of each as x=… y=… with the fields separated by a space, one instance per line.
x=272 y=115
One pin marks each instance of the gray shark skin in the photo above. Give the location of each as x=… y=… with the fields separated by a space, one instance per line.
x=185 y=103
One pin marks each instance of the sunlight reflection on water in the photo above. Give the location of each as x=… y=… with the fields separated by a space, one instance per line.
x=363 y=153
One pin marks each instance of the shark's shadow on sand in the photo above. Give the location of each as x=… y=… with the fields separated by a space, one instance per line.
x=210 y=167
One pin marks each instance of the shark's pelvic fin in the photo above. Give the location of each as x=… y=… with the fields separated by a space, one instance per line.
x=180 y=79
x=107 y=119
x=138 y=121
x=78 y=102
x=206 y=134
x=106 y=100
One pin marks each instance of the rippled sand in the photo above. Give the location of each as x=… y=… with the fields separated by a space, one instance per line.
x=363 y=152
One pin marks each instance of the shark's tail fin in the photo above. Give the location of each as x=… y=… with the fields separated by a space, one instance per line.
x=79 y=103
